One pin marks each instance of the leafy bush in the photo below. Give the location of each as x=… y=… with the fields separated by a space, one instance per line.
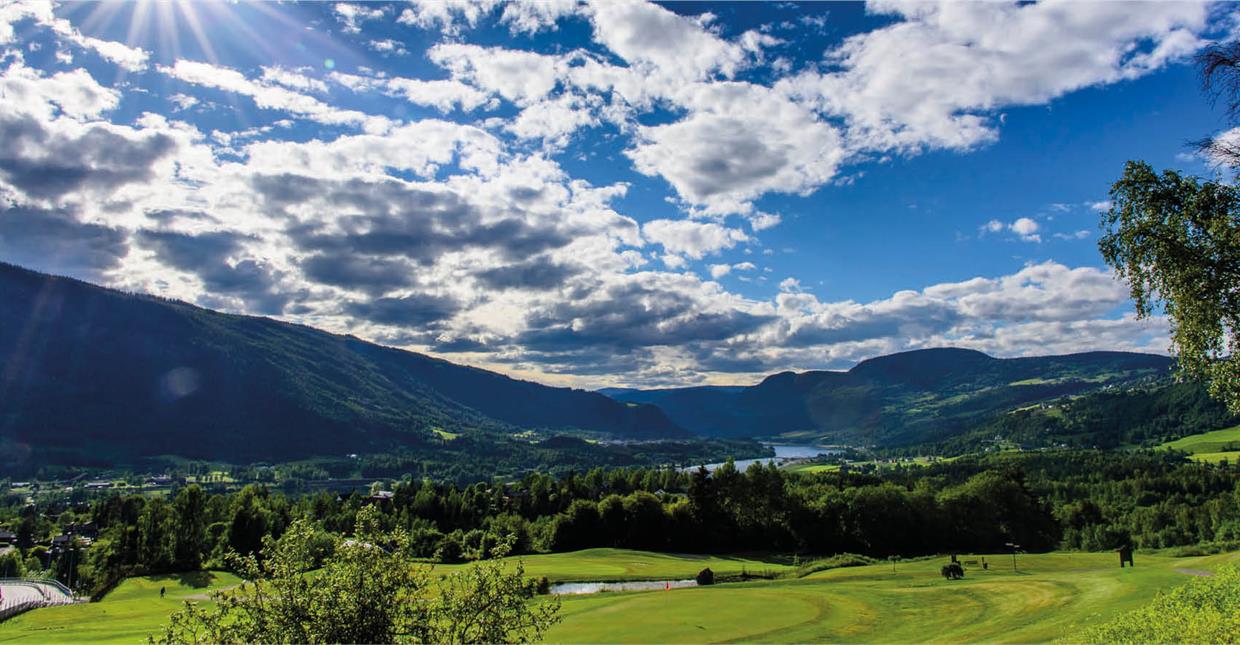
x=1206 y=610
x=834 y=562
x=706 y=577
x=952 y=571
x=363 y=593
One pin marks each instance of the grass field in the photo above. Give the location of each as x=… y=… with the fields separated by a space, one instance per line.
x=127 y=615
x=134 y=609
x=1052 y=595
x=1210 y=446
x=623 y=564
x=814 y=468
x=879 y=464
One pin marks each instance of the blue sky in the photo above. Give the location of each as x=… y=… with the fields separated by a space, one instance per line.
x=618 y=193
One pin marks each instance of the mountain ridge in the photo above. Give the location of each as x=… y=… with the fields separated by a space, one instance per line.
x=894 y=398
x=97 y=373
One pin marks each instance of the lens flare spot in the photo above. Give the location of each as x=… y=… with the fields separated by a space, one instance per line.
x=180 y=382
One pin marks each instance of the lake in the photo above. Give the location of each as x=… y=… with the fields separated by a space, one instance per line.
x=783 y=453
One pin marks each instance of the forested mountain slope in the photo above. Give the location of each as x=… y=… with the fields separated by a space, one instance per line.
x=897 y=399
x=88 y=373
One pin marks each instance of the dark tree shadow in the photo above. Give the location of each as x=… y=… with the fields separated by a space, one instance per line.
x=193 y=579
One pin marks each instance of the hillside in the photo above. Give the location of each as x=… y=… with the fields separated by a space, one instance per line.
x=1144 y=414
x=891 y=400
x=1210 y=447
x=96 y=376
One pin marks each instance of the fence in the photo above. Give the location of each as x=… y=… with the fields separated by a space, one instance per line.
x=24 y=594
x=8 y=611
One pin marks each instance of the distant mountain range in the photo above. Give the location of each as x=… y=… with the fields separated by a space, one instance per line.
x=94 y=375
x=891 y=400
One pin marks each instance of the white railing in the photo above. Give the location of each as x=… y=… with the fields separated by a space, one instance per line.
x=8 y=611
x=24 y=594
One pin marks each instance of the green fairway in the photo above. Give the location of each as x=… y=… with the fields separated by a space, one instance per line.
x=624 y=564
x=127 y=615
x=814 y=468
x=1210 y=446
x=1051 y=596
x=134 y=609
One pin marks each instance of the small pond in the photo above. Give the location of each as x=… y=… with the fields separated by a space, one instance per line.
x=574 y=588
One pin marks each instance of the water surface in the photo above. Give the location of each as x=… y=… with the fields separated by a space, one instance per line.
x=784 y=452
x=574 y=588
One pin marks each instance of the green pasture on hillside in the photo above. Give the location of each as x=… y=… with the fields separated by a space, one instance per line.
x=880 y=464
x=1210 y=446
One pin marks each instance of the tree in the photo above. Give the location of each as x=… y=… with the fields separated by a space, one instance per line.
x=484 y=603
x=191 y=527
x=360 y=596
x=251 y=521
x=1220 y=74
x=155 y=535
x=11 y=565
x=1176 y=241
x=367 y=591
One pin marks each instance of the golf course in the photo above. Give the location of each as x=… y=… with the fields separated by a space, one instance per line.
x=614 y=565
x=126 y=615
x=1048 y=597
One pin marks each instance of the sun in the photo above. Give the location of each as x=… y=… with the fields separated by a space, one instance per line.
x=189 y=29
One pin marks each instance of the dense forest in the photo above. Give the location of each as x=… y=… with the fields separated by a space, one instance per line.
x=463 y=459
x=1042 y=500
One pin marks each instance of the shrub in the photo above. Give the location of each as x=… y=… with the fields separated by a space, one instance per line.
x=1206 y=610
x=834 y=562
x=952 y=571
x=706 y=577
x=362 y=594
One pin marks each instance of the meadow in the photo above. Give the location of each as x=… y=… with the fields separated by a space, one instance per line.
x=1211 y=447
x=1049 y=596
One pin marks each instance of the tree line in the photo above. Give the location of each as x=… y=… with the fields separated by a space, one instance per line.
x=1042 y=500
